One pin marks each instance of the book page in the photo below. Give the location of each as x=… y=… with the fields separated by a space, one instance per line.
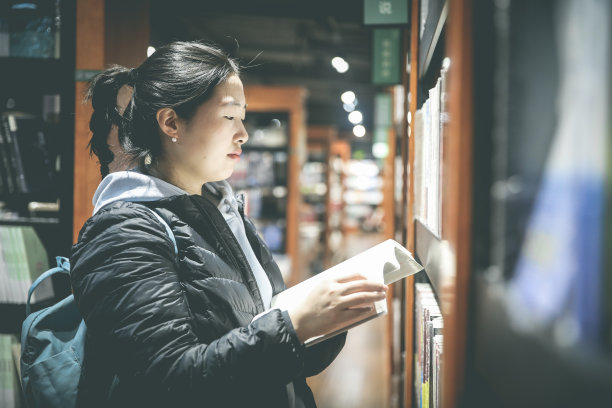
x=386 y=262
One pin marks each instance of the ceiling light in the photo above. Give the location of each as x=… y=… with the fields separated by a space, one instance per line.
x=340 y=64
x=380 y=150
x=359 y=131
x=349 y=107
x=348 y=97
x=355 y=117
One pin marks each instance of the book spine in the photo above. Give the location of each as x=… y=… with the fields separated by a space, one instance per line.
x=18 y=164
x=8 y=382
x=9 y=257
x=4 y=292
x=22 y=265
x=37 y=262
x=5 y=159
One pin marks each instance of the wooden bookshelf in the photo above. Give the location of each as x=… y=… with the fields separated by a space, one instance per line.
x=446 y=257
x=23 y=85
x=505 y=74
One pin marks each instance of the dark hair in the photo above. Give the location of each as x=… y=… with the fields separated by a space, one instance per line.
x=178 y=75
x=102 y=92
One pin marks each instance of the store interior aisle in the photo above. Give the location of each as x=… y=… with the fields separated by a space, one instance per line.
x=358 y=378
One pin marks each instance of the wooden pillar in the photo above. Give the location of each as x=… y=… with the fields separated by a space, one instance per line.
x=457 y=193
x=89 y=57
x=108 y=32
x=127 y=32
x=410 y=105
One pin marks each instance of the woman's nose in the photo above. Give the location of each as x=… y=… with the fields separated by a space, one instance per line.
x=242 y=136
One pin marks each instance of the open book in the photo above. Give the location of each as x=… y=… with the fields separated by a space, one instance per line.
x=386 y=262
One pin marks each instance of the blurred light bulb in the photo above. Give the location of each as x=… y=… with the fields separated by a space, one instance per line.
x=355 y=117
x=348 y=97
x=349 y=107
x=359 y=131
x=150 y=51
x=380 y=150
x=340 y=64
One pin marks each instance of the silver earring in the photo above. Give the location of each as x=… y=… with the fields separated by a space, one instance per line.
x=174 y=140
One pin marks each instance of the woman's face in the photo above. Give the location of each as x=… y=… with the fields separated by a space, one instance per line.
x=209 y=145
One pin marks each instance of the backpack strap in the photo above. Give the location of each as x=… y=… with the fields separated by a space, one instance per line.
x=63 y=266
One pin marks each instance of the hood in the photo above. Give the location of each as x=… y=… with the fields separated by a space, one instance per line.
x=132 y=185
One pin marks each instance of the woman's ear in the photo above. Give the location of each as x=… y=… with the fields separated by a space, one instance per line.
x=168 y=122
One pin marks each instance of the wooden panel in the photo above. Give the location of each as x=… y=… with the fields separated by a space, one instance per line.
x=409 y=289
x=457 y=204
x=291 y=99
x=90 y=56
x=90 y=34
x=127 y=32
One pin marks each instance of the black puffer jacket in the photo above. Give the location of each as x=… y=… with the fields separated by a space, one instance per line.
x=178 y=331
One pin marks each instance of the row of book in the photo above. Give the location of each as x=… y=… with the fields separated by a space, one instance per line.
x=10 y=386
x=22 y=259
x=428 y=351
x=28 y=163
x=429 y=128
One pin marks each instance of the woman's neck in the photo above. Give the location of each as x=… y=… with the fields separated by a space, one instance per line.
x=167 y=173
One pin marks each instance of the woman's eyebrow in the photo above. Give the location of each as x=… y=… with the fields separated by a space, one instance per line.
x=234 y=103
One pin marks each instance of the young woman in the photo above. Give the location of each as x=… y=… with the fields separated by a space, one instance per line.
x=192 y=327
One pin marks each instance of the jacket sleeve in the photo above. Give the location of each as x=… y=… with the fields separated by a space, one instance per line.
x=126 y=284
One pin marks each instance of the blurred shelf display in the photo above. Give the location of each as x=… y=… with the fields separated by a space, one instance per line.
x=268 y=171
x=261 y=176
x=314 y=188
x=363 y=191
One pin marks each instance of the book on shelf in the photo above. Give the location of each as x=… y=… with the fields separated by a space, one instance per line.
x=386 y=262
x=436 y=365
x=428 y=326
x=9 y=380
x=23 y=258
x=14 y=155
x=26 y=156
x=429 y=127
x=33 y=29
x=6 y=166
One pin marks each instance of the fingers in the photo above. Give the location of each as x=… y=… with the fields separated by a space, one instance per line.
x=360 y=299
x=362 y=286
x=358 y=312
x=351 y=277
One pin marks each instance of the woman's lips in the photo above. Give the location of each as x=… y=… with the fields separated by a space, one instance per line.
x=235 y=156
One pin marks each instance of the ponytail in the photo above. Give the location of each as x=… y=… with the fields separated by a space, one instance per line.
x=102 y=92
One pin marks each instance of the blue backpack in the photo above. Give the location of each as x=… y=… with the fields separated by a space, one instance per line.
x=53 y=346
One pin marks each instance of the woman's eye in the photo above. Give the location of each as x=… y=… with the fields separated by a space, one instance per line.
x=229 y=117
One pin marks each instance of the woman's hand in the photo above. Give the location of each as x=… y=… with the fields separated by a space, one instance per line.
x=335 y=302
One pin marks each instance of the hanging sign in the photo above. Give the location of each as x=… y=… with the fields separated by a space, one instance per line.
x=386 y=54
x=379 y=12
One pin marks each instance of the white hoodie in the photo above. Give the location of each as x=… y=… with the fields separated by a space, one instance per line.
x=135 y=186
